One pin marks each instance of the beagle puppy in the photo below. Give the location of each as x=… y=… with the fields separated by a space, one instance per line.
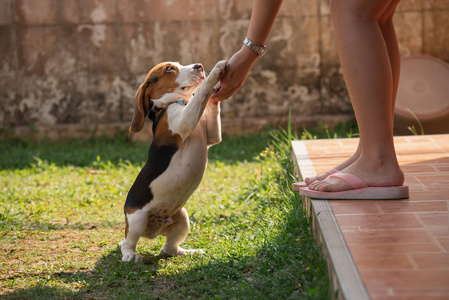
x=175 y=98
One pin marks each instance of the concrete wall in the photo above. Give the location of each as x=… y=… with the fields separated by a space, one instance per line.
x=80 y=62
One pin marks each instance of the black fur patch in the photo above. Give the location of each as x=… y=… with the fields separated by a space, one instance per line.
x=159 y=158
x=160 y=155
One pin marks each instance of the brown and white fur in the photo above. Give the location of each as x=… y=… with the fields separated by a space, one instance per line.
x=175 y=98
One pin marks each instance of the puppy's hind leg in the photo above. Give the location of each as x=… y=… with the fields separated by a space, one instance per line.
x=176 y=233
x=135 y=226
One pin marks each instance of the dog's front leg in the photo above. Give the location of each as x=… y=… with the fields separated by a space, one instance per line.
x=191 y=114
x=213 y=124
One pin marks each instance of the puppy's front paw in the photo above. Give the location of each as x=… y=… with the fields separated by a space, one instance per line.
x=220 y=69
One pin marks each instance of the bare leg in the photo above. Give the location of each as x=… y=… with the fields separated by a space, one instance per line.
x=389 y=36
x=366 y=40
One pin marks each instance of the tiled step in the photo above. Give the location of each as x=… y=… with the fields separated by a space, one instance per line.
x=394 y=249
x=345 y=279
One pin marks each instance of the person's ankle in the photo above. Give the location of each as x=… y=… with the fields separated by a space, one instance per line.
x=379 y=160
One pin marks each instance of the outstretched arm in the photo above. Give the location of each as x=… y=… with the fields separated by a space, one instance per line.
x=262 y=20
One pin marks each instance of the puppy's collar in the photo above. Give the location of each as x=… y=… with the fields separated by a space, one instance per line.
x=180 y=102
x=156 y=111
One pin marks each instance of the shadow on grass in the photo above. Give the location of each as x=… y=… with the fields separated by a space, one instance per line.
x=282 y=268
x=20 y=154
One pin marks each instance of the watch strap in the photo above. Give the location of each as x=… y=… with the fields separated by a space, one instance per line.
x=259 y=50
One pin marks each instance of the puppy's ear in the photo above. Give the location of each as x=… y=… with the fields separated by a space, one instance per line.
x=141 y=110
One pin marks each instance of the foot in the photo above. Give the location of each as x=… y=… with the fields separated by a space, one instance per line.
x=129 y=252
x=340 y=167
x=374 y=174
x=132 y=256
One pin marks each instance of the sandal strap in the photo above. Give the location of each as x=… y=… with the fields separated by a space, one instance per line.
x=352 y=180
x=329 y=172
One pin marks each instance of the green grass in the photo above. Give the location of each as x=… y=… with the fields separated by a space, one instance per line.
x=61 y=220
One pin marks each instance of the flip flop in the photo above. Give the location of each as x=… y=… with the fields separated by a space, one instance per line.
x=297 y=185
x=360 y=190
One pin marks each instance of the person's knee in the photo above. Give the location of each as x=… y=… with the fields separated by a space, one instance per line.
x=387 y=16
x=386 y=22
x=355 y=11
x=386 y=19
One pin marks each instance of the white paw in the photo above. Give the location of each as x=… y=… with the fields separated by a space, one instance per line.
x=220 y=69
x=129 y=256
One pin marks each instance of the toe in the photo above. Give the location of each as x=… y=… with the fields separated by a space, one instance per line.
x=309 y=180
x=127 y=257
x=137 y=258
x=313 y=185
x=334 y=185
x=324 y=188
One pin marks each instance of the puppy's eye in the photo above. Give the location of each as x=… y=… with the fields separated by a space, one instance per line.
x=169 y=69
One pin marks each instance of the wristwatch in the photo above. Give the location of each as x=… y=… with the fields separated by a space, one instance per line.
x=260 y=50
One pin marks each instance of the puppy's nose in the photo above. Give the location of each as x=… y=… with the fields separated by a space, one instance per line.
x=198 y=67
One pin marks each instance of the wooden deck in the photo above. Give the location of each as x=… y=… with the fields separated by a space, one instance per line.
x=399 y=249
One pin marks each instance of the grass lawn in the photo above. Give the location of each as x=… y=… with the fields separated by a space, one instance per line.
x=61 y=219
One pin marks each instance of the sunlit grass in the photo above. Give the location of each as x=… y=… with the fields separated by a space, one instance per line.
x=61 y=218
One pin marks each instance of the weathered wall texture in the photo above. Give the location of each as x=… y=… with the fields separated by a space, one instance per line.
x=81 y=61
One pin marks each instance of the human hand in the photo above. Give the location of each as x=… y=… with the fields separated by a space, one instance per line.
x=239 y=66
